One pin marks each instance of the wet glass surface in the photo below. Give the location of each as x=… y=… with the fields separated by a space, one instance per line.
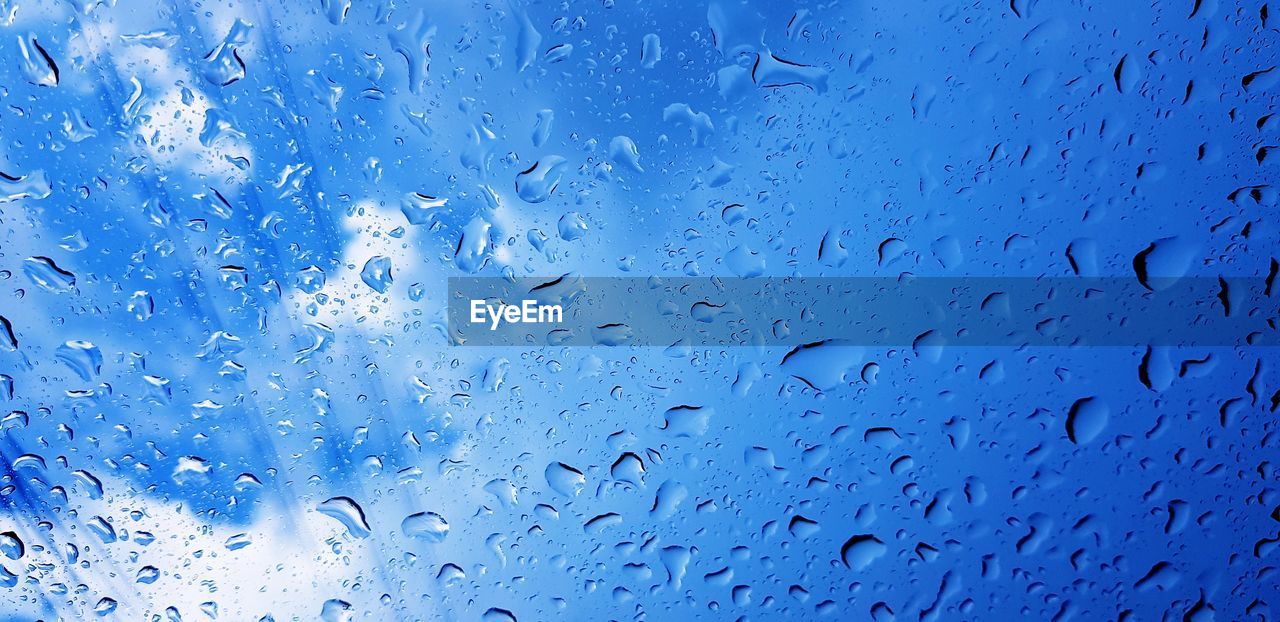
x=228 y=391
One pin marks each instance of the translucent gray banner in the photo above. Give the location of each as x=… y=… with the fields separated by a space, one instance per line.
x=870 y=311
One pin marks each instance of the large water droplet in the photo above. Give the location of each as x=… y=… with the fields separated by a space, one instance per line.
x=1086 y=419
x=346 y=511
x=84 y=358
x=565 y=479
x=377 y=273
x=427 y=526
x=45 y=273
x=536 y=184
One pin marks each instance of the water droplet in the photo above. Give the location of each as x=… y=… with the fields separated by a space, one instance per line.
x=377 y=273
x=349 y=513
x=650 y=51
x=474 y=246
x=37 y=65
x=33 y=185
x=45 y=273
x=420 y=209
x=623 y=152
x=337 y=610
x=82 y=357
x=427 y=526
x=223 y=65
x=861 y=550
x=565 y=479
x=536 y=183
x=1086 y=419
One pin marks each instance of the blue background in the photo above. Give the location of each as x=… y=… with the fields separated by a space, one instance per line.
x=234 y=390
